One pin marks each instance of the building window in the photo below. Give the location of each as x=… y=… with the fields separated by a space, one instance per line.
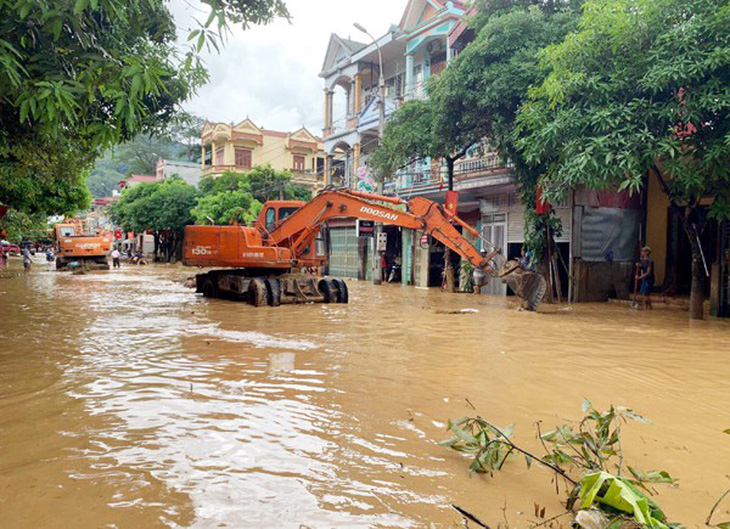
x=243 y=158
x=220 y=157
x=300 y=163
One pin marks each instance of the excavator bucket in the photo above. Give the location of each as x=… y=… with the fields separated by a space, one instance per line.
x=530 y=287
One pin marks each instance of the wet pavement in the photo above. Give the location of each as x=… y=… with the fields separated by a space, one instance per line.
x=128 y=401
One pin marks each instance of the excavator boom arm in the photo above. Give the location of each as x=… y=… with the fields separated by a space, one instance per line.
x=422 y=214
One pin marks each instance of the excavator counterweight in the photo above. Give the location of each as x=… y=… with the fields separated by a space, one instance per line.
x=263 y=264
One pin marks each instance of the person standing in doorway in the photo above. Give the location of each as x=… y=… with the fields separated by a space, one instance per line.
x=646 y=277
x=116 y=256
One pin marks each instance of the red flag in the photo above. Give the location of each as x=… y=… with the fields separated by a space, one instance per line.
x=452 y=202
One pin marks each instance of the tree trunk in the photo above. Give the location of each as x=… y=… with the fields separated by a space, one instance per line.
x=157 y=244
x=697 y=292
x=450 y=172
x=545 y=266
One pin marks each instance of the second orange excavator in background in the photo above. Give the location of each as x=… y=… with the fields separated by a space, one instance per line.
x=263 y=264
x=75 y=249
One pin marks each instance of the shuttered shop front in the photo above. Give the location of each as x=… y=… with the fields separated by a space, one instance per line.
x=343 y=258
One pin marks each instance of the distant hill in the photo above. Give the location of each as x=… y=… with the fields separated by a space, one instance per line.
x=180 y=142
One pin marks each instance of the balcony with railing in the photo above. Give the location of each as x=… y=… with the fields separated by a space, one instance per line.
x=220 y=169
x=469 y=172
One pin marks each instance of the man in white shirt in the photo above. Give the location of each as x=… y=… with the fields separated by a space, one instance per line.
x=115 y=259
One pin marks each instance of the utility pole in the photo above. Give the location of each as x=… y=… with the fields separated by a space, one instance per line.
x=377 y=256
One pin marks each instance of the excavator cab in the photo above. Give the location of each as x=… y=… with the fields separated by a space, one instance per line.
x=275 y=212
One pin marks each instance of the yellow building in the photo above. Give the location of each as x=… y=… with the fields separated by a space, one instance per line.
x=229 y=147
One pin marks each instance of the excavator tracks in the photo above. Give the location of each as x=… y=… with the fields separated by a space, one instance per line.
x=273 y=291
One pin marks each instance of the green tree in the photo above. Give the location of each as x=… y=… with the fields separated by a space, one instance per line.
x=408 y=137
x=421 y=129
x=226 y=207
x=78 y=77
x=163 y=207
x=17 y=226
x=477 y=98
x=45 y=177
x=262 y=181
x=480 y=93
x=642 y=85
x=266 y=183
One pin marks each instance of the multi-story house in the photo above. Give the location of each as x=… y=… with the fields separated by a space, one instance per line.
x=429 y=34
x=601 y=231
x=229 y=147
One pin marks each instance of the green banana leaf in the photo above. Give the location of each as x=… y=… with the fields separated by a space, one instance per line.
x=615 y=492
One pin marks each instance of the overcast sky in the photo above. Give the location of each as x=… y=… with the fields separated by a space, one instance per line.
x=270 y=73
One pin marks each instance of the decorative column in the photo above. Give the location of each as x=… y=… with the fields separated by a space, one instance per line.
x=449 y=52
x=358 y=93
x=409 y=75
x=212 y=153
x=202 y=157
x=356 y=158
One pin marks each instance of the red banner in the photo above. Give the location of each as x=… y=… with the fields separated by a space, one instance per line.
x=543 y=206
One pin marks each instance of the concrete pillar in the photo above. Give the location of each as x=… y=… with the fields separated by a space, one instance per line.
x=358 y=93
x=326 y=170
x=212 y=153
x=351 y=100
x=409 y=75
x=407 y=256
x=202 y=157
x=421 y=262
x=449 y=52
x=356 y=158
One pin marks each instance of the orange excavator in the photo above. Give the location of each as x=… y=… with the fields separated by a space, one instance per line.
x=262 y=264
x=74 y=246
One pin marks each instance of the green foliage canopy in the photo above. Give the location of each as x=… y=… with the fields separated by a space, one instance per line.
x=226 y=207
x=157 y=206
x=19 y=225
x=240 y=196
x=408 y=136
x=642 y=84
x=77 y=77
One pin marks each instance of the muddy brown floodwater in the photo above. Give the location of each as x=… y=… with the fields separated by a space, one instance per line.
x=128 y=401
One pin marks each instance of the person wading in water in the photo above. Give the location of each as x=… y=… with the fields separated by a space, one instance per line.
x=479 y=278
x=26 y=258
x=645 y=276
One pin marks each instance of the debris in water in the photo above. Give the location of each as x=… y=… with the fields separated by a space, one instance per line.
x=591 y=519
x=459 y=311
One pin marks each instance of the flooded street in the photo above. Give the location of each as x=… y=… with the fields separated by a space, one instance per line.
x=128 y=401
